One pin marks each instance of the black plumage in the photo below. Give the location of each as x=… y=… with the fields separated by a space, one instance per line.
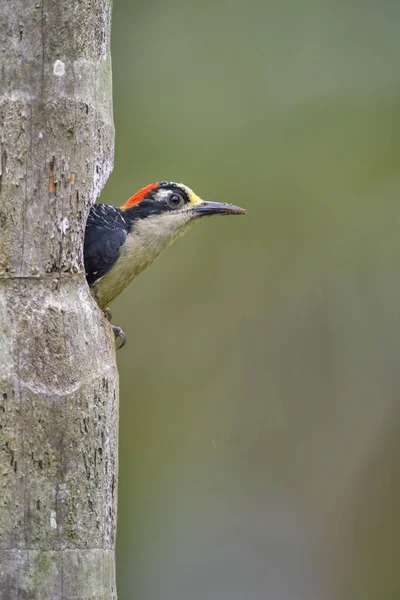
x=106 y=230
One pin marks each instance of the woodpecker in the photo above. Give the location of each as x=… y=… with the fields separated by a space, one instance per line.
x=121 y=242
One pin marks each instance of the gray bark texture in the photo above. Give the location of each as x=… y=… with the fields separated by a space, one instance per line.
x=58 y=376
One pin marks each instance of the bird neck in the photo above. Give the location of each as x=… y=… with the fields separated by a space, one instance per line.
x=156 y=231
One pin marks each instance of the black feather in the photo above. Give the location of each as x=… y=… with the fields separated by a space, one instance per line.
x=106 y=232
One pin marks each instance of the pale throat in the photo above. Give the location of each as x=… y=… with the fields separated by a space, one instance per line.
x=155 y=233
x=148 y=238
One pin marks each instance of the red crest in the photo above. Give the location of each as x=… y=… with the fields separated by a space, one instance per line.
x=139 y=196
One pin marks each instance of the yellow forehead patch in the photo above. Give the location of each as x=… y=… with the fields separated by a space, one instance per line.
x=194 y=199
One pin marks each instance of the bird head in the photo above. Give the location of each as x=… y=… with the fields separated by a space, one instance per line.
x=160 y=212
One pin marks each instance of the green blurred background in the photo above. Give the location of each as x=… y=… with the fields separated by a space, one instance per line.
x=259 y=438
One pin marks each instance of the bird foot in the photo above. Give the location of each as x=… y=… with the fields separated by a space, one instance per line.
x=108 y=314
x=119 y=334
x=117 y=330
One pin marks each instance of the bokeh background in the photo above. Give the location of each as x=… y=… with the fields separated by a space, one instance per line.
x=259 y=438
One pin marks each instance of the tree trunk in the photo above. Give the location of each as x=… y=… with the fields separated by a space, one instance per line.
x=58 y=377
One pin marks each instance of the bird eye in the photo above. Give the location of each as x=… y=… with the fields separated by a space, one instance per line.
x=175 y=200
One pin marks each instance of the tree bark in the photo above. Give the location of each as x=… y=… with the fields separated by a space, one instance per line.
x=58 y=377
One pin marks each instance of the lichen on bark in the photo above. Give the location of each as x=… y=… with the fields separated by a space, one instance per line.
x=58 y=377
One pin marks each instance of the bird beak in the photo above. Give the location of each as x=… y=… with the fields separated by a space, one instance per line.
x=206 y=209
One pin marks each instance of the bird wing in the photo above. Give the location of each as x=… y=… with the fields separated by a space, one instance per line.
x=105 y=234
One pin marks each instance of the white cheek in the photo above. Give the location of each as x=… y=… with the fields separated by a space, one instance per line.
x=159 y=231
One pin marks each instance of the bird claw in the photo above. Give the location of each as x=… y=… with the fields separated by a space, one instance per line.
x=117 y=330
x=119 y=334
